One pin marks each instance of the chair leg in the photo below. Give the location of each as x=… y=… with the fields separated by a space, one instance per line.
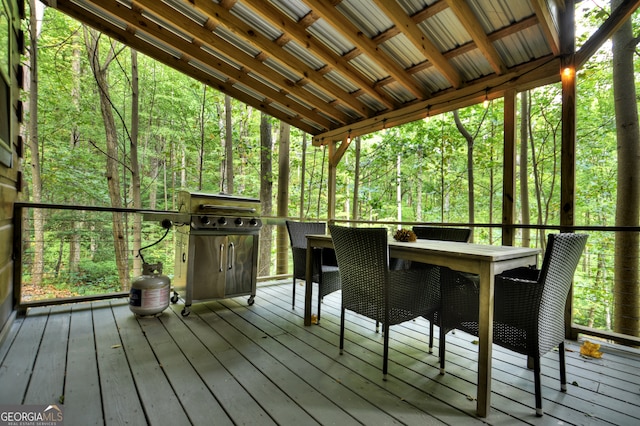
x=385 y=354
x=563 y=368
x=430 y=336
x=441 y=349
x=537 y=385
x=341 y=330
x=319 y=302
x=293 y=300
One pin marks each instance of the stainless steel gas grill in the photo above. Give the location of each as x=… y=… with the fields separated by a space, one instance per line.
x=217 y=251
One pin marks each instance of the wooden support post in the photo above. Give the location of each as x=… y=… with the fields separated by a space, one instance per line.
x=509 y=169
x=567 y=155
x=335 y=155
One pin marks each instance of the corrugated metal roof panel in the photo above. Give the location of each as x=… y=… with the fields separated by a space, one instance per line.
x=256 y=22
x=445 y=31
x=496 y=14
x=402 y=51
x=472 y=64
x=294 y=8
x=92 y=10
x=372 y=103
x=187 y=10
x=398 y=92
x=281 y=69
x=330 y=37
x=366 y=16
x=523 y=46
x=432 y=79
x=236 y=41
x=304 y=55
x=411 y=7
x=341 y=81
x=370 y=69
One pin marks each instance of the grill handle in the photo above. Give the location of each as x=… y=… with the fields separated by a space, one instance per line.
x=221 y=257
x=239 y=209
x=232 y=256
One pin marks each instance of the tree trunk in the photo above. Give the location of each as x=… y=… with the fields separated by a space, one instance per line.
x=202 y=137
x=266 y=188
x=524 y=164
x=303 y=173
x=37 y=268
x=626 y=313
x=470 y=139
x=282 y=238
x=92 y=39
x=228 y=146
x=356 y=182
x=135 y=165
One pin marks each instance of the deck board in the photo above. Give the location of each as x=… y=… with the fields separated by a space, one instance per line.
x=229 y=363
x=82 y=401
x=46 y=385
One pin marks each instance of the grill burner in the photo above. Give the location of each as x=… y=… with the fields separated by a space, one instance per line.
x=216 y=247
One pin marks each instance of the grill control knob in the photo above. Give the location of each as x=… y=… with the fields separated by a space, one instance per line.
x=253 y=221
x=238 y=221
x=204 y=220
x=222 y=220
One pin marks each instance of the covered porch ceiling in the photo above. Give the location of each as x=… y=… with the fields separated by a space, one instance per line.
x=339 y=68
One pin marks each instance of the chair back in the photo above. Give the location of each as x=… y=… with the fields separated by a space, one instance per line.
x=558 y=267
x=460 y=235
x=363 y=261
x=298 y=231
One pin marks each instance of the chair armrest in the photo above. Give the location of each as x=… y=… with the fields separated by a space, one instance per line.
x=517 y=298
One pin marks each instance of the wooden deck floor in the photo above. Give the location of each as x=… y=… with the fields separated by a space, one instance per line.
x=228 y=363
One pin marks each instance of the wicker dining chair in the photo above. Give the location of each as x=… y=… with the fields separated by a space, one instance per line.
x=529 y=305
x=325 y=268
x=369 y=288
x=423 y=232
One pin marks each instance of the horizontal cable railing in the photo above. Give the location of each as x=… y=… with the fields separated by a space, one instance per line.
x=65 y=254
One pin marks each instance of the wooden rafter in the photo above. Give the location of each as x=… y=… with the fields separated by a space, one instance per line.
x=206 y=38
x=419 y=39
x=297 y=32
x=365 y=45
x=549 y=28
x=469 y=21
x=183 y=64
x=223 y=16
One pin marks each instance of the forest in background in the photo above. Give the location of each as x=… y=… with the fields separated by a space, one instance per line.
x=189 y=136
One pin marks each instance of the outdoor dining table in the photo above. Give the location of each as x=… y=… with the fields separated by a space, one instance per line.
x=483 y=260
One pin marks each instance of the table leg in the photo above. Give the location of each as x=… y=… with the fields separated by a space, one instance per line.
x=308 y=285
x=485 y=335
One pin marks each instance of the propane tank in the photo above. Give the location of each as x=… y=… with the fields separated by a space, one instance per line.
x=149 y=294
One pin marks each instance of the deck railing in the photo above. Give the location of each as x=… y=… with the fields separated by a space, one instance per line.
x=66 y=254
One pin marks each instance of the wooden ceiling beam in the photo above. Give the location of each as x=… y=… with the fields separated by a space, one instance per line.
x=419 y=39
x=365 y=45
x=234 y=24
x=181 y=64
x=204 y=37
x=547 y=24
x=470 y=22
x=536 y=73
x=605 y=31
x=296 y=31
